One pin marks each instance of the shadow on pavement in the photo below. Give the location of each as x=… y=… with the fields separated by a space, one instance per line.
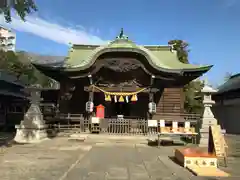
x=6 y=139
x=173 y=159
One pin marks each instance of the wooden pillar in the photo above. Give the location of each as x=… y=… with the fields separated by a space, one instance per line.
x=151 y=94
x=91 y=93
x=59 y=99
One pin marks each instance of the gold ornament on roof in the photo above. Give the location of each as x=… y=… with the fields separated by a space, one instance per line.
x=122 y=35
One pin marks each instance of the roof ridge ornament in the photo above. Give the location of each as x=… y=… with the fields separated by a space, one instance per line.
x=122 y=35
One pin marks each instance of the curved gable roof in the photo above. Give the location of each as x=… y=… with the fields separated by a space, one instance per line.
x=160 y=57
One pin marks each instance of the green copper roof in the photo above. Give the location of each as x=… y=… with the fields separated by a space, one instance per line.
x=81 y=56
x=162 y=58
x=232 y=84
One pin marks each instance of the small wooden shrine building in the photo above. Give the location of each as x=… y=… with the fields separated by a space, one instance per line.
x=13 y=100
x=124 y=77
x=227 y=107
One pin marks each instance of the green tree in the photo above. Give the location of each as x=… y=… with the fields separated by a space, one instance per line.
x=193 y=97
x=36 y=77
x=10 y=62
x=19 y=65
x=21 y=7
x=191 y=90
x=182 y=49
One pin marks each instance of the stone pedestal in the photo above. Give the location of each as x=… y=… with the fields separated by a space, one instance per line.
x=32 y=128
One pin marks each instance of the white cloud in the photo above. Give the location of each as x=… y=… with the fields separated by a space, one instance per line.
x=229 y=3
x=53 y=31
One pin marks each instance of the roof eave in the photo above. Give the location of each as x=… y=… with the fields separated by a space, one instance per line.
x=198 y=69
x=202 y=69
x=51 y=67
x=50 y=71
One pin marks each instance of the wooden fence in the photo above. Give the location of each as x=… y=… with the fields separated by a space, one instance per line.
x=125 y=126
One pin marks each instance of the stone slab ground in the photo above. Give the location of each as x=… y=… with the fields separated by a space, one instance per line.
x=64 y=159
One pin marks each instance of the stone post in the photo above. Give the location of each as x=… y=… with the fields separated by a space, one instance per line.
x=207 y=117
x=32 y=128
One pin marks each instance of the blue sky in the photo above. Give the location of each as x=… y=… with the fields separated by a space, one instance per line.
x=211 y=27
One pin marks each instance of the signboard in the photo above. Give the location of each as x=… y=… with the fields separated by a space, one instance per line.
x=162 y=123
x=174 y=125
x=95 y=120
x=152 y=123
x=187 y=125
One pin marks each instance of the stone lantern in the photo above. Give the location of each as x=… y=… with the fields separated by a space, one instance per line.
x=32 y=128
x=208 y=118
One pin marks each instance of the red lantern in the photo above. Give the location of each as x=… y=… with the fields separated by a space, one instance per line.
x=100 y=111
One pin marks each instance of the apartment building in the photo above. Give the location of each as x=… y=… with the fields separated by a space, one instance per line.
x=7 y=39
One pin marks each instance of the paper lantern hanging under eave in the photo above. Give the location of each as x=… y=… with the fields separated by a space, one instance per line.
x=89 y=106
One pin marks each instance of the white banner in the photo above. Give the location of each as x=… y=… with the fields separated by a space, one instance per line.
x=152 y=123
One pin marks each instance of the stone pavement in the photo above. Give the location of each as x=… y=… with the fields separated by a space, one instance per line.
x=233 y=142
x=62 y=159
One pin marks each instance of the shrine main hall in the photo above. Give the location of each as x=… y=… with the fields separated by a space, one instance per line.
x=127 y=79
